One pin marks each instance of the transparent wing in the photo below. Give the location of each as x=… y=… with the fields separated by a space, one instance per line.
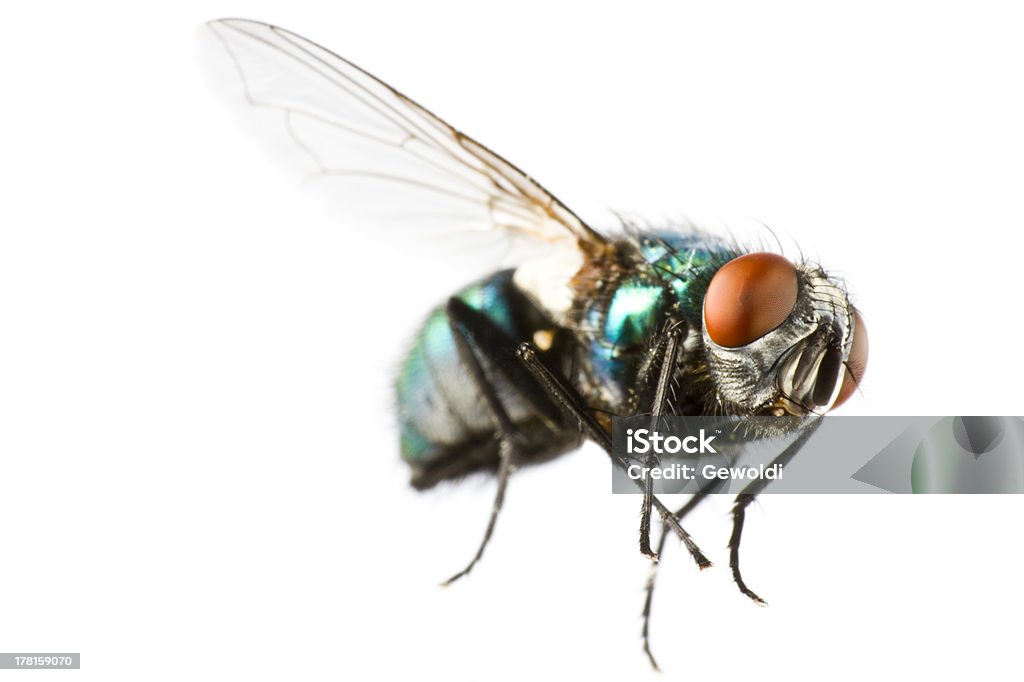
x=378 y=150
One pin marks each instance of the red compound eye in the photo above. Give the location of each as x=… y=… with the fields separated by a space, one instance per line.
x=748 y=297
x=857 y=362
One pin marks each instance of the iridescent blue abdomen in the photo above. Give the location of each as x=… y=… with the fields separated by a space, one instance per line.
x=445 y=428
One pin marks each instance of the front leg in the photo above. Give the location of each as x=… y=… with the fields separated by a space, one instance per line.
x=672 y=345
x=748 y=495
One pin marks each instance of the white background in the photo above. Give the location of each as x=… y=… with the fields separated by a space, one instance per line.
x=194 y=356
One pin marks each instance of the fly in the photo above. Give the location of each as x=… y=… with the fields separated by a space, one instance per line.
x=514 y=366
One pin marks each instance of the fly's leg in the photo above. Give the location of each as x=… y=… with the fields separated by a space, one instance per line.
x=571 y=401
x=748 y=495
x=669 y=358
x=475 y=336
x=743 y=500
x=506 y=452
x=652 y=577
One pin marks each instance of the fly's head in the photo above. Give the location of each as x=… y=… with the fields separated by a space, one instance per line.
x=781 y=339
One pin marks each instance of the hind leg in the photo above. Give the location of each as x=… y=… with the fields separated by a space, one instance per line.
x=477 y=339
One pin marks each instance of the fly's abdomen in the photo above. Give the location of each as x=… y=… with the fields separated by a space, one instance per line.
x=445 y=426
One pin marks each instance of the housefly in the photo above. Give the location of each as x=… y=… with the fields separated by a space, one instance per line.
x=512 y=368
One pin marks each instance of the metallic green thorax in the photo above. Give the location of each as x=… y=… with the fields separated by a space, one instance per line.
x=668 y=280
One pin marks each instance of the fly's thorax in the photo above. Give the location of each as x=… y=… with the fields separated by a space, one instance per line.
x=799 y=366
x=624 y=302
